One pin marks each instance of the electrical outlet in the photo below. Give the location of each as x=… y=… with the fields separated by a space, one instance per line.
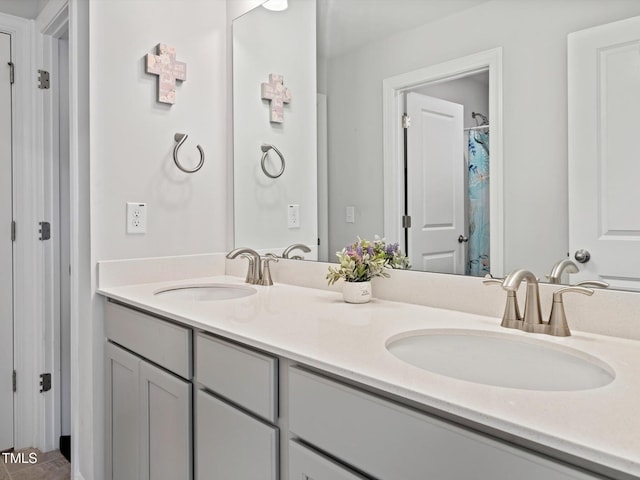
x=293 y=216
x=350 y=215
x=136 y=218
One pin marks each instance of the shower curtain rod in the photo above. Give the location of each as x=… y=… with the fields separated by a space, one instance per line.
x=479 y=127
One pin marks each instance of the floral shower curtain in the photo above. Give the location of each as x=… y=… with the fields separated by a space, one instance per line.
x=478 y=261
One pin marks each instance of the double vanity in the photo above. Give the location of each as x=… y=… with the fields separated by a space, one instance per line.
x=208 y=377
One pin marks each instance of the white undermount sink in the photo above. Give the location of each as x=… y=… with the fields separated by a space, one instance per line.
x=501 y=360
x=206 y=292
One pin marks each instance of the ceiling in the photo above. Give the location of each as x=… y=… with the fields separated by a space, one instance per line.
x=22 y=8
x=344 y=25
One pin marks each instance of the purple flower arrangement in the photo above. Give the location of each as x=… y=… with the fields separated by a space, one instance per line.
x=363 y=260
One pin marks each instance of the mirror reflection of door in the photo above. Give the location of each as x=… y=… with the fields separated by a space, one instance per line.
x=604 y=101
x=6 y=250
x=435 y=184
x=447 y=176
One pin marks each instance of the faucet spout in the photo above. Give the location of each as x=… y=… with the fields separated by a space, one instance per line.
x=252 y=277
x=298 y=246
x=532 y=316
x=559 y=268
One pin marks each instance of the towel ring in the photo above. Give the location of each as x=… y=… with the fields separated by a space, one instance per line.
x=180 y=138
x=265 y=149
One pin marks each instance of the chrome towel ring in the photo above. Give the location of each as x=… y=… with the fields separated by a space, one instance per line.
x=180 y=138
x=265 y=149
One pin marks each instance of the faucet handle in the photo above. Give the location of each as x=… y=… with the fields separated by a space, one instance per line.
x=558 y=325
x=511 y=317
x=266 y=270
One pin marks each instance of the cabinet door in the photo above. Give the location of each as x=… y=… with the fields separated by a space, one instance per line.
x=389 y=441
x=122 y=417
x=307 y=465
x=165 y=412
x=232 y=445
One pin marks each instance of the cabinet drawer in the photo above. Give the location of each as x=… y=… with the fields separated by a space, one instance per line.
x=306 y=464
x=392 y=442
x=241 y=375
x=231 y=445
x=162 y=342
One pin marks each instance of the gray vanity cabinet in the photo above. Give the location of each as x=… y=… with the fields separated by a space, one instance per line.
x=389 y=441
x=231 y=444
x=305 y=464
x=236 y=412
x=148 y=408
x=331 y=428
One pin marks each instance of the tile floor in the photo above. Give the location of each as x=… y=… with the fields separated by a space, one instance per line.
x=49 y=466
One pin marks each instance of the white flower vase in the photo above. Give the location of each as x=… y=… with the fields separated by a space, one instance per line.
x=356 y=292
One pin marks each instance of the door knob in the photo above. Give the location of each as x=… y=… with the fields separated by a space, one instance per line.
x=463 y=239
x=582 y=256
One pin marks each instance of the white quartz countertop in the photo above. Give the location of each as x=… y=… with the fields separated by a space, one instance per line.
x=317 y=328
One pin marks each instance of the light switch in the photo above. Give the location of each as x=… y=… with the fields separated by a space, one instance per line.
x=350 y=216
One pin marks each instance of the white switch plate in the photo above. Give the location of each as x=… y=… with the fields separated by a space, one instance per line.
x=136 y=218
x=293 y=216
x=350 y=215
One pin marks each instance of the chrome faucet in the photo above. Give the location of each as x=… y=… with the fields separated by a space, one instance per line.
x=559 y=268
x=532 y=317
x=254 y=271
x=298 y=246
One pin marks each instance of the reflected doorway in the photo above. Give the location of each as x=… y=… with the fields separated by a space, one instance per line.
x=435 y=77
x=446 y=217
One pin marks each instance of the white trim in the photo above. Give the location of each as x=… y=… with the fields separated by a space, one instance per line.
x=51 y=24
x=392 y=90
x=84 y=425
x=27 y=251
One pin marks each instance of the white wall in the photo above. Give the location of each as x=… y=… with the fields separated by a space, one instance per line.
x=132 y=134
x=472 y=92
x=131 y=143
x=284 y=43
x=533 y=36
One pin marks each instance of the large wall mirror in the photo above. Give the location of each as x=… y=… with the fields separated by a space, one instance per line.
x=499 y=129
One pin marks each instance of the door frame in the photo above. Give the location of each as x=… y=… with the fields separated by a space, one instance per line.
x=393 y=147
x=51 y=24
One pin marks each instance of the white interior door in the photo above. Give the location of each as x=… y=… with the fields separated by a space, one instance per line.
x=604 y=101
x=435 y=184
x=6 y=250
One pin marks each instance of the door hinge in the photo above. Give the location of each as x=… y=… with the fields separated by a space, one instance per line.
x=406 y=121
x=11 y=72
x=13 y=230
x=406 y=221
x=14 y=381
x=43 y=79
x=45 y=230
x=45 y=382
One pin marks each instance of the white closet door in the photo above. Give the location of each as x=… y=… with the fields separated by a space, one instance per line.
x=6 y=250
x=604 y=101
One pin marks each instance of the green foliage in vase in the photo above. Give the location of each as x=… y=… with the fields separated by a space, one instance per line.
x=363 y=260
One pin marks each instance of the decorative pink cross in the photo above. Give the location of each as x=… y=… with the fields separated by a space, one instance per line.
x=168 y=70
x=278 y=94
